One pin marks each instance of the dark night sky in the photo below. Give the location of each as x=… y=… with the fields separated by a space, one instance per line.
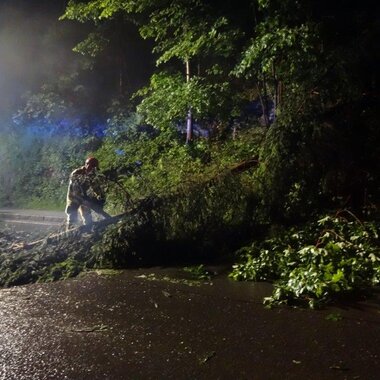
x=29 y=52
x=36 y=46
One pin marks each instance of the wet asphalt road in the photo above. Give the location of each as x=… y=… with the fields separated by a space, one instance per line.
x=127 y=326
x=131 y=326
x=32 y=220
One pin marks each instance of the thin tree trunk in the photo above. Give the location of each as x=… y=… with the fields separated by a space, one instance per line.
x=189 y=118
x=265 y=103
x=263 y=106
x=276 y=93
x=124 y=80
x=121 y=77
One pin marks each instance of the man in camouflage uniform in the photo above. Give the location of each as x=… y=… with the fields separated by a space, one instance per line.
x=84 y=193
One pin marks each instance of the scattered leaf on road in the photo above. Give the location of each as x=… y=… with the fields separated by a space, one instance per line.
x=95 y=328
x=335 y=317
x=206 y=357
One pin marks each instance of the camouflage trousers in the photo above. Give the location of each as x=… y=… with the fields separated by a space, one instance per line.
x=73 y=209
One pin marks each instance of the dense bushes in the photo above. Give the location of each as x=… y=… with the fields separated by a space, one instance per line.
x=316 y=143
x=204 y=220
x=35 y=167
x=150 y=163
x=335 y=255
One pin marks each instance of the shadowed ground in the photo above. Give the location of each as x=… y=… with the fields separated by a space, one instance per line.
x=137 y=325
x=156 y=324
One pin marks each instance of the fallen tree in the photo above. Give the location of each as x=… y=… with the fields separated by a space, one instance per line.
x=152 y=231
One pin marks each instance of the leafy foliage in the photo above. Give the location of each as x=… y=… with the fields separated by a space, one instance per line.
x=62 y=270
x=188 y=32
x=118 y=248
x=189 y=199
x=38 y=167
x=166 y=100
x=312 y=68
x=198 y=272
x=337 y=254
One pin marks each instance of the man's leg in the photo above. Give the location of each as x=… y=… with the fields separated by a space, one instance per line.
x=72 y=214
x=85 y=214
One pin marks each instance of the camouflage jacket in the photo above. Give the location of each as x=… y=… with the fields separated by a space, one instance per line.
x=87 y=186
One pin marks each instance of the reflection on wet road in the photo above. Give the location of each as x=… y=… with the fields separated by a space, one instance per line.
x=130 y=326
x=24 y=347
x=32 y=220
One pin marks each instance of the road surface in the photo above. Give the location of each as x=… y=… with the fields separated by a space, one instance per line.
x=139 y=324
x=155 y=324
x=22 y=219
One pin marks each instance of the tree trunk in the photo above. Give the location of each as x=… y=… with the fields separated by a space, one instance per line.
x=189 y=118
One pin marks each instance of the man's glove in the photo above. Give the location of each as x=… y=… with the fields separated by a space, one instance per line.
x=99 y=202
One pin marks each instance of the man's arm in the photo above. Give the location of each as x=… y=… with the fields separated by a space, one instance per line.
x=92 y=204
